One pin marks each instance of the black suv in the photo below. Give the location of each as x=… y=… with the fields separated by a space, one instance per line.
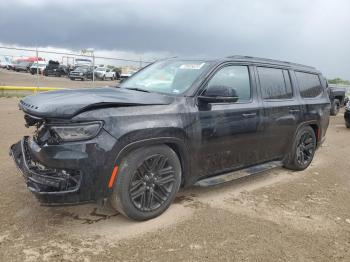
x=174 y=123
x=338 y=99
x=54 y=68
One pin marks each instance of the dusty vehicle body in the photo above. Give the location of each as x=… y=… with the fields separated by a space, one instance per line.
x=204 y=135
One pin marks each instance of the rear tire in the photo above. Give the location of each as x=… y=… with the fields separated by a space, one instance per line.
x=347 y=124
x=303 y=149
x=147 y=182
x=335 y=107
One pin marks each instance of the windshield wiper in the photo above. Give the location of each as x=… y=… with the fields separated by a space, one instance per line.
x=138 y=89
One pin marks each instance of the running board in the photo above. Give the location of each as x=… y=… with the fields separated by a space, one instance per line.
x=219 y=179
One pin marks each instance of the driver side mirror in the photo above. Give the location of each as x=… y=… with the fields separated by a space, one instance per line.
x=219 y=94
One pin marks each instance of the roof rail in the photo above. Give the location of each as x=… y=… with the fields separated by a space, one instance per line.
x=243 y=57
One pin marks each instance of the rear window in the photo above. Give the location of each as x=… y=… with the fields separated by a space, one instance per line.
x=309 y=85
x=275 y=83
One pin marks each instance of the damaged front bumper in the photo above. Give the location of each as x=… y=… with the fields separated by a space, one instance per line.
x=45 y=183
x=62 y=174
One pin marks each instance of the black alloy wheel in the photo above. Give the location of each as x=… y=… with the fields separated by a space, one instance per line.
x=152 y=183
x=305 y=149
x=147 y=182
x=302 y=150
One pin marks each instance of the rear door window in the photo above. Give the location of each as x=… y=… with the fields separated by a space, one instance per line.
x=275 y=83
x=309 y=84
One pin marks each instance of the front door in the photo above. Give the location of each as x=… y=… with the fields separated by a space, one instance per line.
x=230 y=132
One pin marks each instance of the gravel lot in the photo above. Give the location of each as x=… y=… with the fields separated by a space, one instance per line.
x=276 y=216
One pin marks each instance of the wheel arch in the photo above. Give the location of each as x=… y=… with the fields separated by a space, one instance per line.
x=176 y=144
x=315 y=127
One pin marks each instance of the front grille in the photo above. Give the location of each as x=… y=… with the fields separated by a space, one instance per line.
x=26 y=105
x=75 y=74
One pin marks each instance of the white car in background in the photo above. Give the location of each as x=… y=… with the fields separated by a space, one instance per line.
x=104 y=73
x=127 y=74
x=38 y=66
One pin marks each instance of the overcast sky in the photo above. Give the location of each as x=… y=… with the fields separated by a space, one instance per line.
x=314 y=32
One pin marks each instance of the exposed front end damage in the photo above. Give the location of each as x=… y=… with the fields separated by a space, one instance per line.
x=41 y=180
x=71 y=155
x=60 y=173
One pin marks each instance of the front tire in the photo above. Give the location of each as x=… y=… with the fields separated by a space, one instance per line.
x=303 y=149
x=147 y=182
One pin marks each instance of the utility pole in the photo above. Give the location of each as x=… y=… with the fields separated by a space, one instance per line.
x=93 y=68
x=37 y=67
x=90 y=52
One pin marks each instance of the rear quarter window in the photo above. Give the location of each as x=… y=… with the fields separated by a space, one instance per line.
x=309 y=84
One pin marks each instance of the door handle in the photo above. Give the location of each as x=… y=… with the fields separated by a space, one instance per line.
x=292 y=111
x=248 y=115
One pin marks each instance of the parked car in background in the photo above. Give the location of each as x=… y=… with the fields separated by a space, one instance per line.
x=5 y=62
x=176 y=122
x=38 y=66
x=337 y=96
x=22 y=66
x=81 y=73
x=126 y=74
x=9 y=64
x=104 y=73
x=54 y=68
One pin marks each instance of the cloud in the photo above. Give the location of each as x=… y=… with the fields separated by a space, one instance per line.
x=312 y=32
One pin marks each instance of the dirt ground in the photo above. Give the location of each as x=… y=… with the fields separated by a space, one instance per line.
x=275 y=216
x=11 y=78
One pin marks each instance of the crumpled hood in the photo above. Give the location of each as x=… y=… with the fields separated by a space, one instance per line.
x=70 y=102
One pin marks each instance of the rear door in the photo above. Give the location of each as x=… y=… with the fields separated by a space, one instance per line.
x=282 y=110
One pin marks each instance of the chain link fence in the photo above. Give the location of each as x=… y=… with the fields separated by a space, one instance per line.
x=38 y=68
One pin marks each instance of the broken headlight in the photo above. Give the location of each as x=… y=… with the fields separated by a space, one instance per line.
x=74 y=132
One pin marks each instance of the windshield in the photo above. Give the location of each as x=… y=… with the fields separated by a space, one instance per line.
x=170 y=77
